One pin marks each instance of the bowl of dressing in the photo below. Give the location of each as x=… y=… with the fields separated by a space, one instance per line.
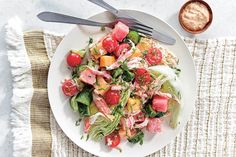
x=195 y=16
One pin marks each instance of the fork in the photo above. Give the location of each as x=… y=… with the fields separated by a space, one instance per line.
x=150 y=31
x=61 y=18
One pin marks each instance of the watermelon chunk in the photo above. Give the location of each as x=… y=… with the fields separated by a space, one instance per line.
x=86 y=124
x=154 y=125
x=120 y=31
x=160 y=103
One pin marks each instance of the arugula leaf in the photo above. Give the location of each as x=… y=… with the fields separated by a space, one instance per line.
x=137 y=138
x=74 y=104
x=80 y=68
x=177 y=71
x=91 y=63
x=124 y=66
x=125 y=40
x=117 y=72
x=160 y=114
x=95 y=51
x=128 y=76
x=74 y=74
x=90 y=40
x=77 y=123
x=83 y=110
x=144 y=52
x=149 y=110
x=81 y=102
x=85 y=97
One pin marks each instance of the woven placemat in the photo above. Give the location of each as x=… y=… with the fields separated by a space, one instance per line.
x=210 y=131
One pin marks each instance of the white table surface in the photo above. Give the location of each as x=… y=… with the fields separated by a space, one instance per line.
x=223 y=26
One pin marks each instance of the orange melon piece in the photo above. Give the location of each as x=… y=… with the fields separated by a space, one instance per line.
x=145 y=44
x=137 y=53
x=107 y=61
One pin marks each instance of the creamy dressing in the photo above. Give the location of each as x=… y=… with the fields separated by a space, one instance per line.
x=195 y=16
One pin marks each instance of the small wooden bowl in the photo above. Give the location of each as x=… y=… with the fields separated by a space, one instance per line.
x=206 y=26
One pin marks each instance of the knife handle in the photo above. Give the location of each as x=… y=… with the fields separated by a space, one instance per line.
x=61 y=18
x=105 y=5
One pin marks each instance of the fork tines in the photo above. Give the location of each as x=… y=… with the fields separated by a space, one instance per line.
x=136 y=25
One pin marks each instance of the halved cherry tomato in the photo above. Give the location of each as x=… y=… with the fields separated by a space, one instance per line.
x=73 y=59
x=154 y=56
x=142 y=76
x=112 y=140
x=112 y=97
x=69 y=88
x=139 y=117
x=109 y=44
x=122 y=48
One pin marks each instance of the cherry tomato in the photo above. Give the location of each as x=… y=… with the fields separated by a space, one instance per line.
x=122 y=48
x=69 y=88
x=154 y=56
x=112 y=97
x=142 y=76
x=109 y=44
x=139 y=117
x=73 y=59
x=112 y=140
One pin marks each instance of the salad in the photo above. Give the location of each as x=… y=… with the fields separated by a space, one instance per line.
x=123 y=84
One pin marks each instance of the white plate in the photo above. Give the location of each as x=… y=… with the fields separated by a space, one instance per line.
x=78 y=39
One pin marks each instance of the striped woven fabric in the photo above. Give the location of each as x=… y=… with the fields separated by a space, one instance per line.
x=211 y=131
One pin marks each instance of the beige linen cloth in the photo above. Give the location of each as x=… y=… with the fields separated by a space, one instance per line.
x=211 y=131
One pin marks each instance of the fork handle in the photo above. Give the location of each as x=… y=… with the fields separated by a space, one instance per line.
x=105 y=5
x=61 y=18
